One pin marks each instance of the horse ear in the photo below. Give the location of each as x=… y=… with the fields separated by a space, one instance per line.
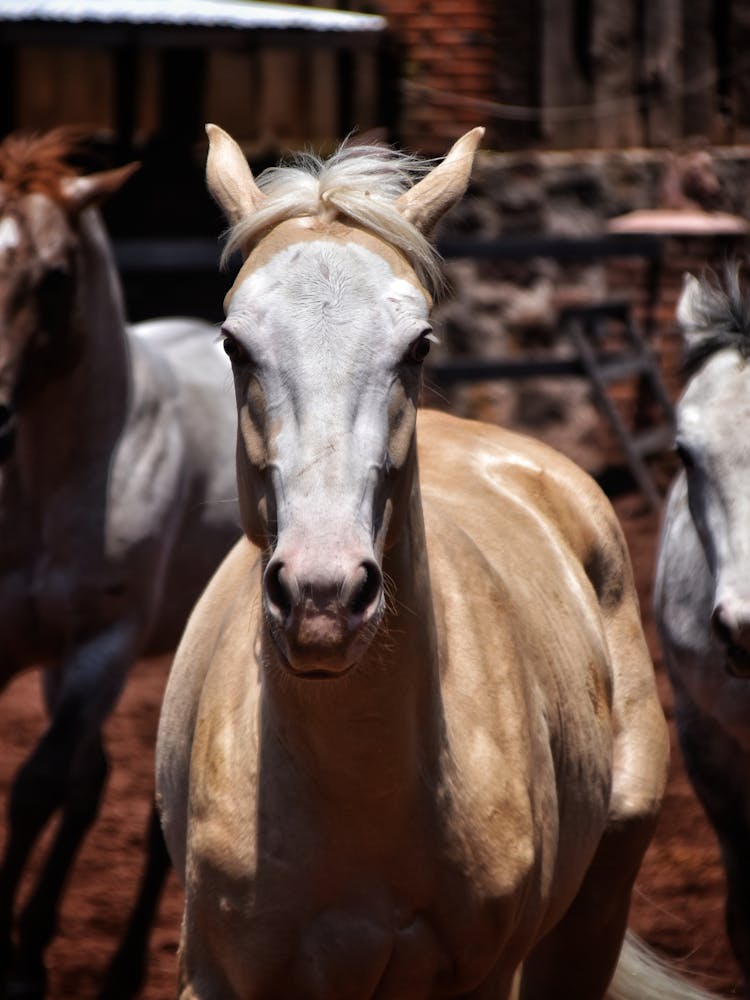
x=229 y=177
x=689 y=311
x=92 y=189
x=430 y=198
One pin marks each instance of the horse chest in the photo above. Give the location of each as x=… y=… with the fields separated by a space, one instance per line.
x=331 y=915
x=390 y=953
x=423 y=892
x=367 y=944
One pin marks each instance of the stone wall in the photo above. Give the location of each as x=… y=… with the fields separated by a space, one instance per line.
x=510 y=309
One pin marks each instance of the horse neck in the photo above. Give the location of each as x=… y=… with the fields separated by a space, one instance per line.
x=375 y=734
x=100 y=294
x=77 y=417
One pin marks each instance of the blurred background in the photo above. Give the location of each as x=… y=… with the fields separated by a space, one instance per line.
x=616 y=158
x=593 y=110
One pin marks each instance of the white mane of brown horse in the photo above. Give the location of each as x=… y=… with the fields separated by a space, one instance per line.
x=411 y=745
x=117 y=501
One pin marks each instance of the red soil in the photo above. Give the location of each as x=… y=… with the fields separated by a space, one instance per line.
x=677 y=906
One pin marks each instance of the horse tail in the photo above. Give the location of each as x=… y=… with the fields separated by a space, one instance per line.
x=642 y=975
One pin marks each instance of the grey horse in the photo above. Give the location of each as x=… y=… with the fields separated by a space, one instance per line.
x=702 y=588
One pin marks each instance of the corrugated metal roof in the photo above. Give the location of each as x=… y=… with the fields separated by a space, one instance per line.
x=244 y=15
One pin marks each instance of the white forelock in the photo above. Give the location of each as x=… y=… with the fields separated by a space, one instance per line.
x=359 y=183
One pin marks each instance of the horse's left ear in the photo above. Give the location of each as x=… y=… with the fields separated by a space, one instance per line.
x=430 y=198
x=689 y=312
x=92 y=189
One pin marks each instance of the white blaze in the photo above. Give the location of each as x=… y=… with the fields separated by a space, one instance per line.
x=10 y=234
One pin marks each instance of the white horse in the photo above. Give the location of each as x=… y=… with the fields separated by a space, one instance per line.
x=117 y=501
x=702 y=589
x=410 y=745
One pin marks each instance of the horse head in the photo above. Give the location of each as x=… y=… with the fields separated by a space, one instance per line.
x=712 y=415
x=41 y=202
x=327 y=325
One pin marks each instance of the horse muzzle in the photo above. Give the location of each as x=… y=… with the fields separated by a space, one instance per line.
x=322 y=625
x=730 y=623
x=737 y=662
x=7 y=431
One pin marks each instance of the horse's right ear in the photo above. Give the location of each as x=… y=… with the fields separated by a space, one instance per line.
x=430 y=198
x=229 y=177
x=689 y=311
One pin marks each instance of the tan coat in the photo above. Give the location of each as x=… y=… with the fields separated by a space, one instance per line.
x=453 y=795
x=411 y=746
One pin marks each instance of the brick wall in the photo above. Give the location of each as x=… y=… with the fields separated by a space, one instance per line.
x=571 y=75
x=448 y=53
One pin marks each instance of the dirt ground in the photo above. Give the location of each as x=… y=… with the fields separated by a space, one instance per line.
x=677 y=906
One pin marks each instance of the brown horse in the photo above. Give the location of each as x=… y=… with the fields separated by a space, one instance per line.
x=411 y=745
x=117 y=501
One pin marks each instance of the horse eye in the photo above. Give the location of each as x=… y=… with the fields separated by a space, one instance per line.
x=55 y=289
x=419 y=349
x=54 y=279
x=234 y=350
x=56 y=273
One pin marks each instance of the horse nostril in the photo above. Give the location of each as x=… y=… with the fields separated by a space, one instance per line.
x=731 y=626
x=279 y=597
x=721 y=629
x=366 y=591
x=7 y=431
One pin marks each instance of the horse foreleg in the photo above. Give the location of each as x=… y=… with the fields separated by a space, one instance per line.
x=68 y=771
x=38 y=921
x=578 y=956
x=36 y=793
x=127 y=971
x=737 y=865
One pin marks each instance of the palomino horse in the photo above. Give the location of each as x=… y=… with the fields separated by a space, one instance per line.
x=702 y=590
x=410 y=745
x=117 y=501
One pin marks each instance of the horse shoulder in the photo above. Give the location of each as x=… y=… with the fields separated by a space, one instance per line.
x=548 y=528
x=640 y=752
x=526 y=675
x=212 y=666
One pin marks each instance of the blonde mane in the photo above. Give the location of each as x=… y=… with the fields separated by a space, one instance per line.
x=357 y=184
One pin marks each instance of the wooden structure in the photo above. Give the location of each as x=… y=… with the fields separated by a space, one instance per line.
x=554 y=74
x=606 y=343
x=654 y=74
x=147 y=69
x=147 y=74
